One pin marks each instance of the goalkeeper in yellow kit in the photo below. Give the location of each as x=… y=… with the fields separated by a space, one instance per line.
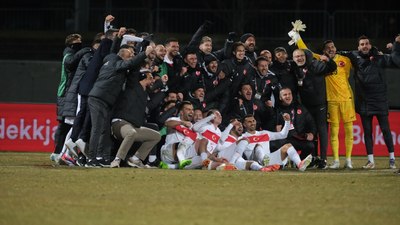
x=339 y=96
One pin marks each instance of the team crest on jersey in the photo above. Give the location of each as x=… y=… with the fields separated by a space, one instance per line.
x=305 y=70
x=341 y=64
x=204 y=104
x=215 y=82
x=299 y=111
x=268 y=81
x=255 y=107
x=197 y=73
x=244 y=72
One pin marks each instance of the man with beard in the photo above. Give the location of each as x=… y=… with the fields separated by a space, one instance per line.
x=249 y=41
x=238 y=68
x=159 y=66
x=371 y=92
x=215 y=85
x=72 y=54
x=340 y=101
x=174 y=61
x=284 y=70
x=196 y=97
x=259 y=145
x=194 y=75
x=268 y=55
x=244 y=104
x=181 y=143
x=266 y=90
x=230 y=146
x=128 y=119
x=209 y=135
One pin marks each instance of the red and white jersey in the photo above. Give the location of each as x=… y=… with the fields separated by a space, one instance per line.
x=180 y=132
x=230 y=140
x=264 y=137
x=212 y=134
x=259 y=137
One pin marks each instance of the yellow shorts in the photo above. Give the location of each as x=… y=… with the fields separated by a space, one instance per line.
x=341 y=110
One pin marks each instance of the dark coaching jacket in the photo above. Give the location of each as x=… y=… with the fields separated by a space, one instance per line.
x=131 y=104
x=71 y=97
x=300 y=118
x=370 y=83
x=92 y=72
x=112 y=77
x=313 y=91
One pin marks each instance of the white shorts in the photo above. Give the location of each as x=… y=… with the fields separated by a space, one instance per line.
x=167 y=153
x=275 y=158
x=229 y=153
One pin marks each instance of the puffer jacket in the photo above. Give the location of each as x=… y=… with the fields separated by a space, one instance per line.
x=370 y=83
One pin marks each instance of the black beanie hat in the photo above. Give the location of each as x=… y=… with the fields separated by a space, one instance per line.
x=209 y=58
x=245 y=36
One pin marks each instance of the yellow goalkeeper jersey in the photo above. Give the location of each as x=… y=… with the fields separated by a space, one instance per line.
x=338 y=88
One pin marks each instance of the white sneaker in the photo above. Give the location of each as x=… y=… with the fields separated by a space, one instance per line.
x=71 y=147
x=335 y=165
x=81 y=146
x=303 y=164
x=115 y=163
x=392 y=164
x=53 y=157
x=348 y=165
x=136 y=163
x=369 y=165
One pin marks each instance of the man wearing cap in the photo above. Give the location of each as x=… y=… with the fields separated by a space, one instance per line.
x=249 y=41
x=284 y=70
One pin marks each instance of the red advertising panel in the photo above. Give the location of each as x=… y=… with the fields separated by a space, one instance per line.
x=379 y=143
x=31 y=127
x=27 y=127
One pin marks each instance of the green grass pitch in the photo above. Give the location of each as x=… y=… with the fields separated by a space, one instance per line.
x=32 y=191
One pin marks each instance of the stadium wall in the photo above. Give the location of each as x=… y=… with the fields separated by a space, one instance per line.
x=31 y=127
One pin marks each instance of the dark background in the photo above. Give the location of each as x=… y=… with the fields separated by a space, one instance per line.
x=32 y=33
x=39 y=27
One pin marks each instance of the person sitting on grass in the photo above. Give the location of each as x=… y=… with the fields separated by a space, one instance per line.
x=229 y=146
x=258 y=148
x=181 y=143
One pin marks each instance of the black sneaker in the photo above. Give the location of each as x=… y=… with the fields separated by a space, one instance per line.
x=155 y=163
x=81 y=160
x=93 y=163
x=322 y=164
x=314 y=162
x=105 y=163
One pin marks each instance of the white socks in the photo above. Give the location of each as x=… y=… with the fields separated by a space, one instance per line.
x=371 y=158
x=204 y=156
x=255 y=166
x=293 y=155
